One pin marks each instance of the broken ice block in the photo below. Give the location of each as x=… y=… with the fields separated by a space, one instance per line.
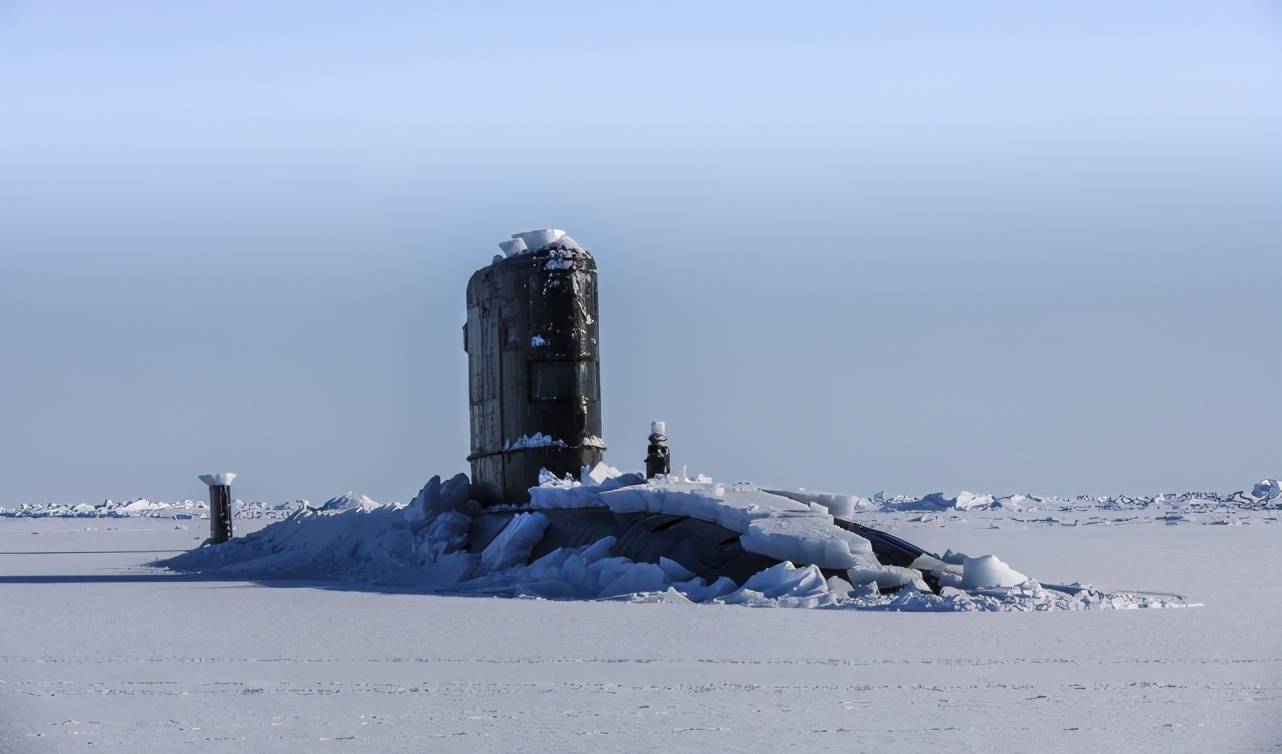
x=537 y=239
x=513 y=247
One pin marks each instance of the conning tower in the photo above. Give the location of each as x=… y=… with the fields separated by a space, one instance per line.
x=534 y=382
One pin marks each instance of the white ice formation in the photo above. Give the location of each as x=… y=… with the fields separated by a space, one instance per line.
x=536 y=440
x=1265 y=496
x=531 y=240
x=424 y=546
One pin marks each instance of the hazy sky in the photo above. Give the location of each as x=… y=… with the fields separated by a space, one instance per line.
x=978 y=246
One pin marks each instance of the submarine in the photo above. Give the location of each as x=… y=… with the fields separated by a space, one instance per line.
x=532 y=338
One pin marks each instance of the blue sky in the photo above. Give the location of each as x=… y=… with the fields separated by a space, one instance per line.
x=991 y=246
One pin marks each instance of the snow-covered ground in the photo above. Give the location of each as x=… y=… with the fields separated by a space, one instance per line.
x=101 y=650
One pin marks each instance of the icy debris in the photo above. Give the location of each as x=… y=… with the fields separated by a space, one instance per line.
x=553 y=493
x=1267 y=489
x=423 y=545
x=597 y=475
x=537 y=239
x=536 y=440
x=734 y=510
x=786 y=584
x=886 y=577
x=770 y=525
x=964 y=501
x=436 y=498
x=512 y=546
x=1265 y=495
x=839 y=586
x=866 y=591
x=970 y=501
x=141 y=505
x=812 y=539
x=989 y=571
x=674 y=570
x=566 y=493
x=840 y=506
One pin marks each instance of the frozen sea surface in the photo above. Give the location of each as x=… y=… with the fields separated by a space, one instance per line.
x=100 y=652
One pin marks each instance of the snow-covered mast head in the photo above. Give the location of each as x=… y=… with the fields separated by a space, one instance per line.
x=533 y=365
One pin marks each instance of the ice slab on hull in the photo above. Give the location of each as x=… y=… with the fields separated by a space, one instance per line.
x=769 y=524
x=839 y=505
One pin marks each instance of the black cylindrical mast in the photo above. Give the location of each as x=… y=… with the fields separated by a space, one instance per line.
x=219 y=505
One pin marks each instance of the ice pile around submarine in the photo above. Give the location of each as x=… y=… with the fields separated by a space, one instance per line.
x=424 y=545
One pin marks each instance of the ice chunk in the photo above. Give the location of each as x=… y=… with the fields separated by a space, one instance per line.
x=536 y=440
x=674 y=570
x=839 y=586
x=553 y=493
x=807 y=539
x=636 y=577
x=1267 y=489
x=987 y=571
x=537 y=239
x=598 y=474
x=454 y=493
x=446 y=533
x=771 y=525
x=734 y=510
x=436 y=498
x=885 y=577
x=424 y=504
x=512 y=546
x=840 y=506
x=970 y=501
x=143 y=504
x=599 y=549
x=698 y=592
x=513 y=247
x=864 y=591
x=786 y=579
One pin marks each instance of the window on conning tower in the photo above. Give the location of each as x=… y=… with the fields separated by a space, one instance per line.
x=562 y=380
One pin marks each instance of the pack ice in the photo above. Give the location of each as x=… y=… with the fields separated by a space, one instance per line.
x=1264 y=495
x=425 y=545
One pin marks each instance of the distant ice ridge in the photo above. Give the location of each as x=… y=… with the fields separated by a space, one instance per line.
x=1264 y=495
x=424 y=545
x=144 y=508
